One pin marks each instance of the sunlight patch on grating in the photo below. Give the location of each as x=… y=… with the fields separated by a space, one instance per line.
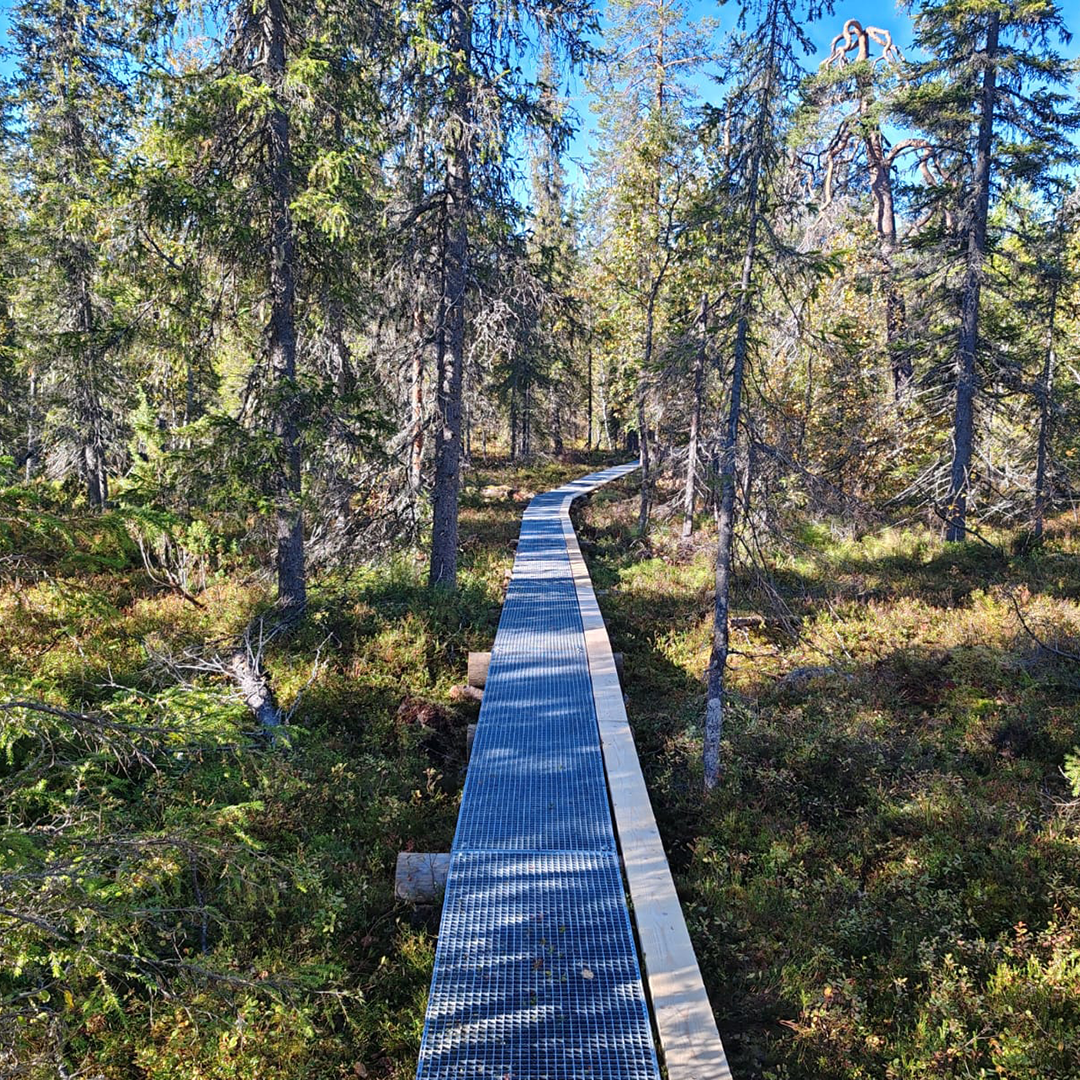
x=536 y=976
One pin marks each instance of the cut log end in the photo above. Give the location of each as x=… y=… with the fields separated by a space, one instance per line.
x=466 y=693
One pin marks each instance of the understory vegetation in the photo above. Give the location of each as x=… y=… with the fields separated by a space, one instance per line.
x=886 y=882
x=180 y=899
x=302 y=300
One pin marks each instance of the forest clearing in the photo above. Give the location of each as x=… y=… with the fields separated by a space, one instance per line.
x=302 y=303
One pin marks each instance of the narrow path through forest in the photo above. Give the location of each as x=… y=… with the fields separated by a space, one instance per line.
x=537 y=973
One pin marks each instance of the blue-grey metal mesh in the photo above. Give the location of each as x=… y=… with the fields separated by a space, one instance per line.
x=536 y=976
x=536 y=973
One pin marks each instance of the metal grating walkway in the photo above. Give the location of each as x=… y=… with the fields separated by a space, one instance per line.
x=536 y=972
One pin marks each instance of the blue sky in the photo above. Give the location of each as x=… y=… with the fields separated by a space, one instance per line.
x=887 y=17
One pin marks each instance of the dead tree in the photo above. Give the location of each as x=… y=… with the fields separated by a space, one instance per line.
x=858 y=137
x=695 y=422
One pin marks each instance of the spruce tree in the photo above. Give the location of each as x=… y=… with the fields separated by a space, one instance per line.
x=990 y=103
x=76 y=89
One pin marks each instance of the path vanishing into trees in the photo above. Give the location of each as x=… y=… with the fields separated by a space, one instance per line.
x=539 y=968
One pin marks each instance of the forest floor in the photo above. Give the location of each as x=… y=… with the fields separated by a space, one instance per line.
x=885 y=884
x=887 y=881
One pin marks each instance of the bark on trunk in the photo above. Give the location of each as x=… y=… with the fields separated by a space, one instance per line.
x=885 y=224
x=715 y=697
x=588 y=437
x=416 y=452
x=444 y=538
x=77 y=262
x=89 y=408
x=254 y=687
x=292 y=594
x=1045 y=419
x=642 y=420
x=339 y=356
x=964 y=416
x=643 y=451
x=695 y=424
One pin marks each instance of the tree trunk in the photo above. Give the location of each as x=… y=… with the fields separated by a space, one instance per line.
x=695 y=424
x=254 y=686
x=77 y=262
x=31 y=433
x=292 y=594
x=1046 y=401
x=642 y=421
x=964 y=416
x=444 y=536
x=884 y=223
x=895 y=308
x=416 y=451
x=643 y=452
x=89 y=409
x=513 y=422
x=714 y=706
x=588 y=437
x=339 y=357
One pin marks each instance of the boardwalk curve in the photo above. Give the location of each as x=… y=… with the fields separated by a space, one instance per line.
x=537 y=975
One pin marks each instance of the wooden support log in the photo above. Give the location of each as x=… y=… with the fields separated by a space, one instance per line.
x=478 y=668
x=470 y=737
x=479 y=662
x=420 y=877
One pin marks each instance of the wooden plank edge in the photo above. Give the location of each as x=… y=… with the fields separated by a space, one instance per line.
x=690 y=1043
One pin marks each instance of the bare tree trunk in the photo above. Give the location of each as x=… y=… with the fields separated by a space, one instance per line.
x=588 y=438
x=251 y=680
x=895 y=308
x=643 y=451
x=416 y=452
x=695 y=424
x=31 y=433
x=526 y=423
x=1046 y=402
x=292 y=593
x=714 y=705
x=964 y=416
x=513 y=421
x=466 y=397
x=444 y=537
x=642 y=421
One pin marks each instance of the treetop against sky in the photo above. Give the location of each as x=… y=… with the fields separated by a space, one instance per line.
x=890 y=17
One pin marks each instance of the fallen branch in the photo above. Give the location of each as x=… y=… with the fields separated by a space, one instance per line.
x=1062 y=653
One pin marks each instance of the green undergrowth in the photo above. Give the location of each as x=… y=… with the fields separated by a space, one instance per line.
x=886 y=883
x=178 y=900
